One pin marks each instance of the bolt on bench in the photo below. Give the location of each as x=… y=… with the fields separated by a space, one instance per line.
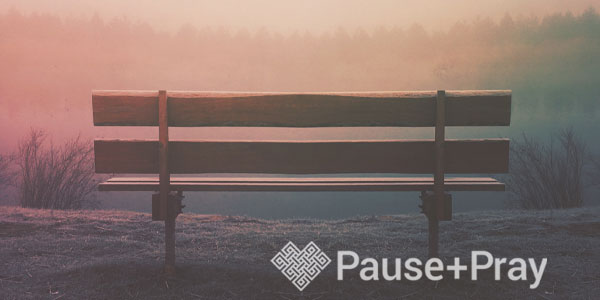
x=437 y=156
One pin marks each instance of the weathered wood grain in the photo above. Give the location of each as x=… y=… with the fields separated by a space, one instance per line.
x=303 y=179
x=407 y=109
x=438 y=174
x=163 y=155
x=302 y=184
x=302 y=157
x=139 y=108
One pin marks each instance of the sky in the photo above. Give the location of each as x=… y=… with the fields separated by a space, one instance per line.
x=286 y=16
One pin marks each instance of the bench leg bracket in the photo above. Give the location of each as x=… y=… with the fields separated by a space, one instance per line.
x=175 y=205
x=429 y=208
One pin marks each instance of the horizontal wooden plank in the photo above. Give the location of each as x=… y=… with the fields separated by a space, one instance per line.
x=139 y=108
x=406 y=109
x=297 y=179
x=302 y=184
x=302 y=157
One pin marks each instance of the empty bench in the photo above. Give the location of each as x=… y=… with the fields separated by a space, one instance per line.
x=437 y=156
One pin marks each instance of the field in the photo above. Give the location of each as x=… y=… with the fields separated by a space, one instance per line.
x=118 y=255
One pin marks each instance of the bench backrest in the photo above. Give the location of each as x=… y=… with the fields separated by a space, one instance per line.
x=383 y=109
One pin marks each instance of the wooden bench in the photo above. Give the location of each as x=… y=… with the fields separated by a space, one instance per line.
x=436 y=156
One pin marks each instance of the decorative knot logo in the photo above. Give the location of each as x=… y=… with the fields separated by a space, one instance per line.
x=300 y=266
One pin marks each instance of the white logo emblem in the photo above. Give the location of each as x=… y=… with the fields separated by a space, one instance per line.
x=300 y=266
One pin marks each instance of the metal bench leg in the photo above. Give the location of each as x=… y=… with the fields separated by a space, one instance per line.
x=434 y=226
x=170 y=245
x=174 y=209
x=429 y=207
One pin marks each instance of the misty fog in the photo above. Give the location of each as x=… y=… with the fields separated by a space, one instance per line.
x=50 y=64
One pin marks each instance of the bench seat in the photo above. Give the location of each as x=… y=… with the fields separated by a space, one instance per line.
x=302 y=184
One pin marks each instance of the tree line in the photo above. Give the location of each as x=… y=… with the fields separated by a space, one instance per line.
x=53 y=62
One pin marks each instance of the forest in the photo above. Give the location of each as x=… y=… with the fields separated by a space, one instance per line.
x=51 y=62
x=551 y=63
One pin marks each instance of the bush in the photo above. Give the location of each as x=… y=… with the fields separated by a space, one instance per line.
x=5 y=172
x=55 y=177
x=595 y=171
x=4 y=169
x=546 y=176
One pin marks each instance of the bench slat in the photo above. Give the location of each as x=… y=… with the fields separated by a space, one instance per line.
x=302 y=184
x=298 y=179
x=302 y=157
x=405 y=109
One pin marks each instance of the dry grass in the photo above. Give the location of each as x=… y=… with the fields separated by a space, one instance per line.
x=118 y=255
x=548 y=175
x=59 y=177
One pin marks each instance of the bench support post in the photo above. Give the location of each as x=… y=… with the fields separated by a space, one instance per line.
x=165 y=181
x=437 y=210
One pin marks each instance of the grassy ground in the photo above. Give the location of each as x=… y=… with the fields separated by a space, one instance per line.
x=118 y=255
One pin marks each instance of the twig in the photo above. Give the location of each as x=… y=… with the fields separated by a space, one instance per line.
x=410 y=294
x=500 y=228
x=586 y=282
x=13 y=281
x=102 y=228
x=543 y=296
x=59 y=297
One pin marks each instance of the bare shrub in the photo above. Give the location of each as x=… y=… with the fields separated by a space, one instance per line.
x=5 y=174
x=55 y=177
x=549 y=175
x=5 y=163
